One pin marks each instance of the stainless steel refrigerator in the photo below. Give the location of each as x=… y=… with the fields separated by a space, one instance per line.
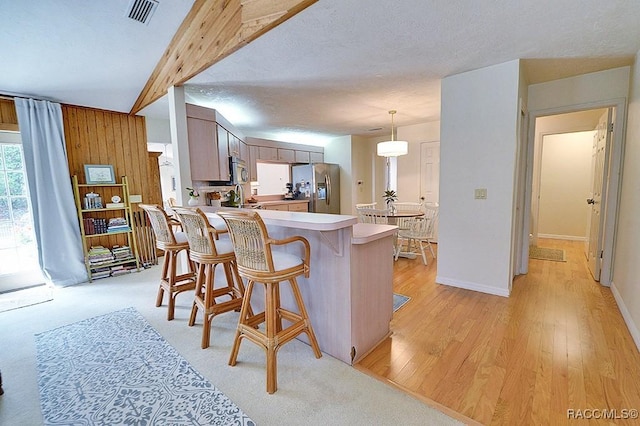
x=320 y=184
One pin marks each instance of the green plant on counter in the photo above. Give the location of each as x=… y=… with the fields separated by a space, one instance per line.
x=234 y=198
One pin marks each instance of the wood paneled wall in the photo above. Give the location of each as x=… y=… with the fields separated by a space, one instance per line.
x=105 y=137
x=8 y=115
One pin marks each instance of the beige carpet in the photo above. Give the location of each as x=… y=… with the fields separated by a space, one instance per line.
x=310 y=391
x=542 y=253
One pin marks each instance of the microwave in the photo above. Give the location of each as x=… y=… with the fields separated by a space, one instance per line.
x=238 y=171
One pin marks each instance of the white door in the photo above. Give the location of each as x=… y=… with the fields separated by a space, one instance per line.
x=598 y=195
x=430 y=175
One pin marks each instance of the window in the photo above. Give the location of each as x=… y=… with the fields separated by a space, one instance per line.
x=18 y=249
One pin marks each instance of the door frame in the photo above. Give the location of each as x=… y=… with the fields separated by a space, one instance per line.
x=613 y=185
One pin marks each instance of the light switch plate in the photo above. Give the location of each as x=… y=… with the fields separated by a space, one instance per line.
x=480 y=194
x=135 y=198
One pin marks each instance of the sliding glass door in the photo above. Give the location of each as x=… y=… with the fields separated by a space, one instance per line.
x=18 y=250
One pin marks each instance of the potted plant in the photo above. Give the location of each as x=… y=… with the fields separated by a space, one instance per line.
x=389 y=197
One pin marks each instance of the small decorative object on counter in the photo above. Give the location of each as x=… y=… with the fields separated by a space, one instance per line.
x=193 y=197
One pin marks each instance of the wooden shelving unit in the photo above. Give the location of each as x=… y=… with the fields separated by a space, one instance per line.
x=104 y=238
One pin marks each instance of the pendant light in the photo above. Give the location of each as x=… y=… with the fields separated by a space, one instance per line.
x=392 y=148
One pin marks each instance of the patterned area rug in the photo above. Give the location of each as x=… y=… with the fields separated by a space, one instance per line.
x=117 y=369
x=399 y=300
x=542 y=253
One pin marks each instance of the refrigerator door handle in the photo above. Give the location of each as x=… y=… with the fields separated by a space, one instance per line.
x=327 y=181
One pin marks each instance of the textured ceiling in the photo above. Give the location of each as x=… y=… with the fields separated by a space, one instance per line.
x=334 y=69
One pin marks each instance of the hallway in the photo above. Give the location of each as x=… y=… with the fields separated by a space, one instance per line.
x=558 y=343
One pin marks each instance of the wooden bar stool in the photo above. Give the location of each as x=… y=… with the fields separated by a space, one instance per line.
x=258 y=263
x=207 y=251
x=172 y=244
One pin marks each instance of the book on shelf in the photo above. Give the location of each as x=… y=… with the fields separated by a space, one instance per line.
x=89 y=227
x=115 y=205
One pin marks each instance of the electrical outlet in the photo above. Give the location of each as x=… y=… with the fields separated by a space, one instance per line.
x=135 y=198
x=480 y=194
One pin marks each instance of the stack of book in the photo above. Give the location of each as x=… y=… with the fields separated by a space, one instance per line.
x=121 y=253
x=118 y=224
x=119 y=270
x=101 y=273
x=99 y=255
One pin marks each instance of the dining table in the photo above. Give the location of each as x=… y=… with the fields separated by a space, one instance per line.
x=395 y=217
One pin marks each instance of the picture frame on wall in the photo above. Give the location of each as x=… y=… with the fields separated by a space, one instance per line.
x=99 y=174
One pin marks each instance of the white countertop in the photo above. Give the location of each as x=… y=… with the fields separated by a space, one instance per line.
x=364 y=233
x=300 y=220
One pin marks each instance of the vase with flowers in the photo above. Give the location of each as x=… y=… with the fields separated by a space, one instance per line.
x=194 y=197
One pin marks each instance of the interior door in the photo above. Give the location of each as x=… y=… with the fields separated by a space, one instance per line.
x=598 y=197
x=430 y=176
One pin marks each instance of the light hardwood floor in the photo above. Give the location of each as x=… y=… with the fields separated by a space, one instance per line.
x=558 y=343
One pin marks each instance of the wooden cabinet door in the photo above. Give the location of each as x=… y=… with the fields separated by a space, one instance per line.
x=276 y=207
x=244 y=151
x=223 y=153
x=302 y=156
x=203 y=152
x=253 y=168
x=267 y=153
x=286 y=155
x=299 y=207
x=316 y=157
x=234 y=146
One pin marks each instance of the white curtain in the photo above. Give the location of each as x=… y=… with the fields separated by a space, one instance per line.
x=54 y=213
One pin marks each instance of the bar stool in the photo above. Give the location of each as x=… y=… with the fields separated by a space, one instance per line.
x=207 y=251
x=172 y=244
x=257 y=262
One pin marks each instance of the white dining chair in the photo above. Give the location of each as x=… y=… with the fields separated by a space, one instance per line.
x=419 y=231
x=370 y=215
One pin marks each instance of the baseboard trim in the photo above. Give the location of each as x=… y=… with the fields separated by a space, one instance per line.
x=633 y=329
x=472 y=286
x=562 y=237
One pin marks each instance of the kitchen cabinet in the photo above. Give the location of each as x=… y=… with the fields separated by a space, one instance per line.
x=244 y=152
x=210 y=144
x=253 y=168
x=286 y=155
x=292 y=206
x=267 y=153
x=203 y=149
x=316 y=157
x=302 y=156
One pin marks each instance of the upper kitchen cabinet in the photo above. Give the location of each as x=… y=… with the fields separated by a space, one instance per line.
x=203 y=149
x=283 y=152
x=212 y=140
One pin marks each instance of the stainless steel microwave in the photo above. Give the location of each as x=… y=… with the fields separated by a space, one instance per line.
x=238 y=170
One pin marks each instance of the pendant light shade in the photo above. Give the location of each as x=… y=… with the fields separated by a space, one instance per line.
x=392 y=148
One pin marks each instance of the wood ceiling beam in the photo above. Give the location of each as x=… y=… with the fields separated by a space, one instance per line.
x=212 y=30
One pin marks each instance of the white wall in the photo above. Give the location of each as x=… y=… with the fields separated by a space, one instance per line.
x=565 y=184
x=626 y=271
x=338 y=151
x=409 y=165
x=478 y=150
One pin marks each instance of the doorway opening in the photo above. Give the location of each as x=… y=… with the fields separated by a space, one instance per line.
x=544 y=194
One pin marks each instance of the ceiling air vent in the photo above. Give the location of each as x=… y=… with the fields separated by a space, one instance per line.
x=141 y=10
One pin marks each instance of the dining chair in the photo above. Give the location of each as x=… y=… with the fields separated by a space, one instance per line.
x=406 y=206
x=259 y=261
x=207 y=251
x=418 y=230
x=371 y=215
x=172 y=243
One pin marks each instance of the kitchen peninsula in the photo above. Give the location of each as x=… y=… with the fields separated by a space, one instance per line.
x=349 y=294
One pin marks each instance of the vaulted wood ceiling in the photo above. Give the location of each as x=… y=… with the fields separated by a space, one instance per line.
x=212 y=30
